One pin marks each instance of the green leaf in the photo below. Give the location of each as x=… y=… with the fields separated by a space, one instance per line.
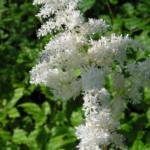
x=142 y=8
x=59 y=142
x=31 y=108
x=35 y=111
x=148 y=115
x=128 y=9
x=147 y=95
x=86 y=5
x=56 y=143
x=106 y=18
x=13 y=113
x=46 y=108
x=19 y=136
x=114 y=2
x=144 y=37
x=2 y=8
x=134 y=23
x=77 y=72
x=117 y=24
x=60 y=118
x=18 y=93
x=31 y=140
x=137 y=145
x=58 y=130
x=5 y=135
x=2 y=115
x=76 y=118
x=126 y=127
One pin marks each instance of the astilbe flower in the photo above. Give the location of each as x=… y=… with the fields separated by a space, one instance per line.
x=74 y=62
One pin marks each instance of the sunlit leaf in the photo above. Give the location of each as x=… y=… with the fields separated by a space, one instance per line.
x=35 y=111
x=19 y=136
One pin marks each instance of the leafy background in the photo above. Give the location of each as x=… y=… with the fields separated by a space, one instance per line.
x=30 y=118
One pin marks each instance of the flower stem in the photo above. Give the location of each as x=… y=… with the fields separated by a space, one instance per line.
x=104 y=147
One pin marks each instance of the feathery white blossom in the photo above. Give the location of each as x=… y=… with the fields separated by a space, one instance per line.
x=99 y=126
x=93 y=26
x=73 y=62
x=63 y=84
x=59 y=14
x=93 y=78
x=58 y=44
x=139 y=77
x=108 y=49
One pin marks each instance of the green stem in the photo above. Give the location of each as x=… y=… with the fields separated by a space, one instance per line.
x=110 y=11
x=104 y=147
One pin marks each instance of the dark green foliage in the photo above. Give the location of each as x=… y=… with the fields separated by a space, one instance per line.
x=30 y=118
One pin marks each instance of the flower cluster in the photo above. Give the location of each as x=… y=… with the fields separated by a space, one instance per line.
x=100 y=125
x=74 y=62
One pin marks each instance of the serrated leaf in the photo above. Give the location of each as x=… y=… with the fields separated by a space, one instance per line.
x=31 y=108
x=126 y=127
x=57 y=130
x=13 y=113
x=142 y=8
x=18 y=93
x=59 y=142
x=19 y=136
x=134 y=23
x=5 y=135
x=35 y=111
x=56 y=143
x=137 y=145
x=46 y=108
x=31 y=141
x=76 y=118
x=60 y=117
x=117 y=24
x=3 y=115
x=128 y=9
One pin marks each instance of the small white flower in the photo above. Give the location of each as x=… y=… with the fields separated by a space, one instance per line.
x=99 y=124
x=93 y=26
x=108 y=49
x=93 y=78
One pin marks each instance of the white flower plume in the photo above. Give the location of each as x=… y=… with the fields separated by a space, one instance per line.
x=73 y=62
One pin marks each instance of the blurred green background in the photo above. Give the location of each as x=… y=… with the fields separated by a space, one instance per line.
x=30 y=118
